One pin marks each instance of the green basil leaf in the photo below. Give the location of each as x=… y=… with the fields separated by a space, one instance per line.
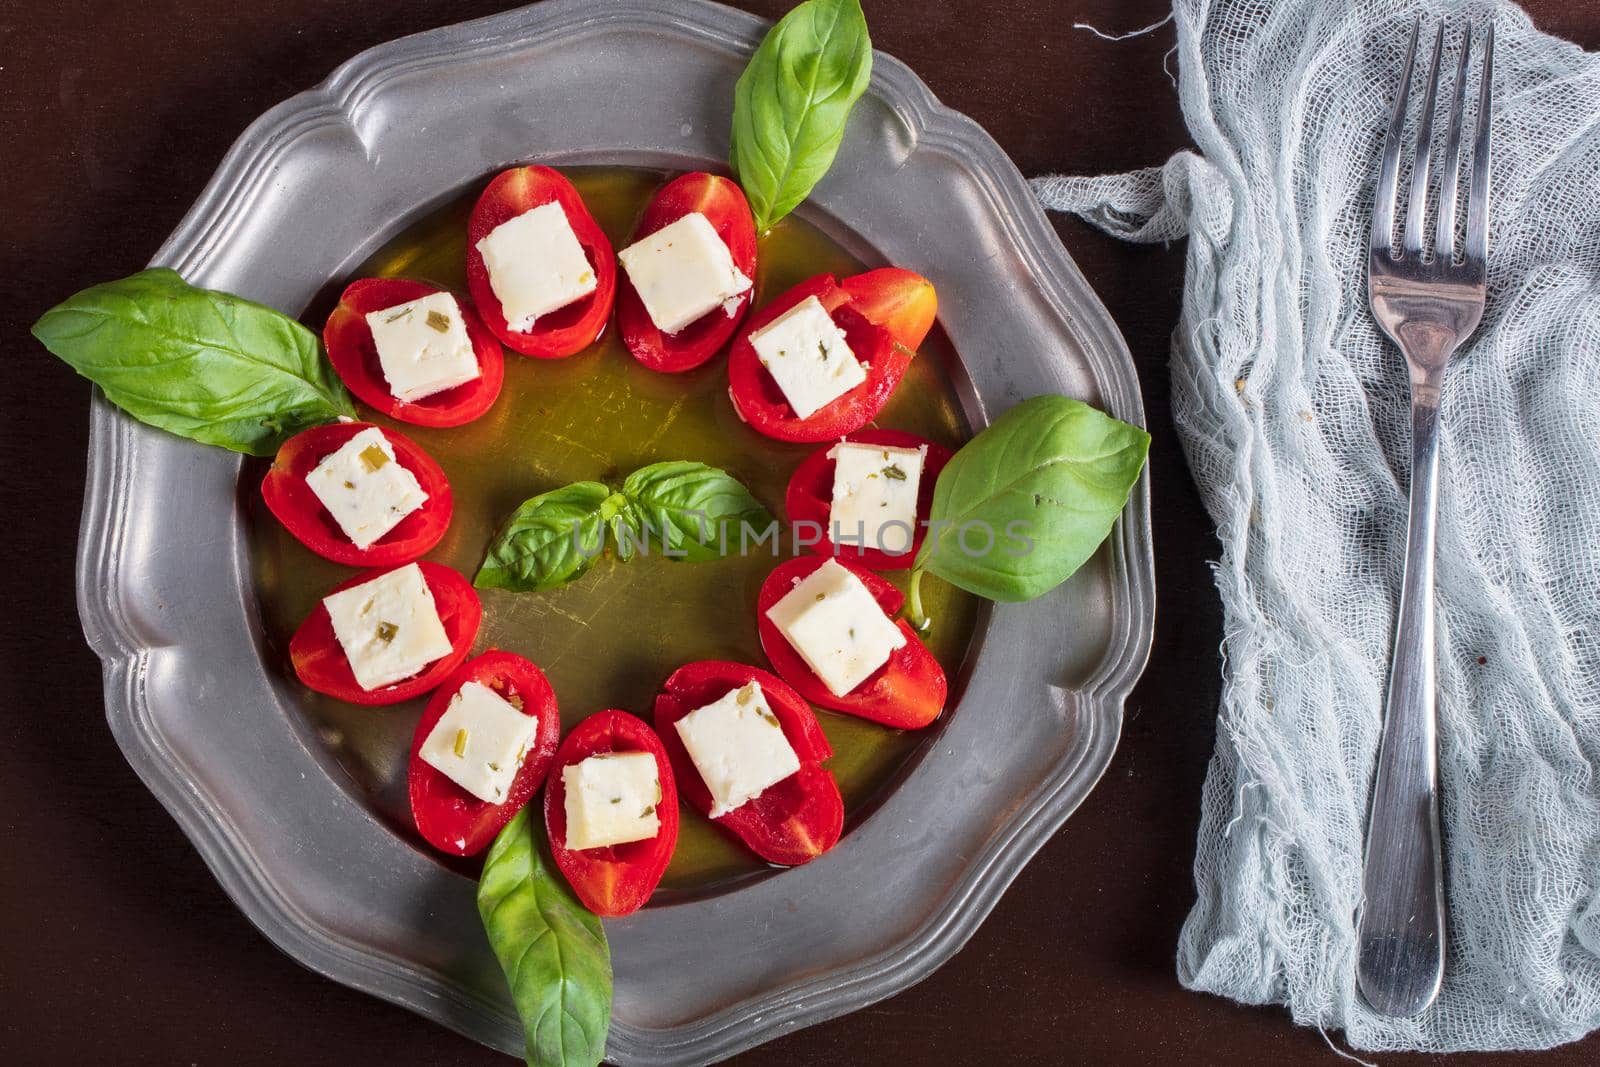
x=625 y=525
x=551 y=947
x=1052 y=471
x=549 y=540
x=791 y=103
x=693 y=511
x=202 y=364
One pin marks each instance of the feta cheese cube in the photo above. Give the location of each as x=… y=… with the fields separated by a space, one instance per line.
x=837 y=628
x=738 y=746
x=611 y=799
x=806 y=354
x=536 y=265
x=365 y=488
x=875 y=495
x=682 y=271
x=389 y=627
x=423 y=347
x=480 y=742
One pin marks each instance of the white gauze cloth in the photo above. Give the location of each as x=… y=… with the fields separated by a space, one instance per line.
x=1293 y=411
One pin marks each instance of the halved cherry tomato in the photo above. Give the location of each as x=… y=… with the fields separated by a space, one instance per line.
x=810 y=497
x=617 y=879
x=791 y=822
x=447 y=816
x=907 y=692
x=901 y=301
x=353 y=354
x=895 y=293
x=723 y=204
x=320 y=662
x=289 y=498
x=565 y=330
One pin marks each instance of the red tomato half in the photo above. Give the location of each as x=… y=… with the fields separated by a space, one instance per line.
x=565 y=330
x=756 y=396
x=723 y=204
x=901 y=301
x=618 y=879
x=450 y=818
x=353 y=354
x=810 y=497
x=906 y=692
x=320 y=662
x=790 y=823
x=289 y=498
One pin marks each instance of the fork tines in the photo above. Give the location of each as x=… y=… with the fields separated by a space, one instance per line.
x=1476 y=249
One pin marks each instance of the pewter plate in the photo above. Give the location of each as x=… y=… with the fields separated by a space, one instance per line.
x=164 y=589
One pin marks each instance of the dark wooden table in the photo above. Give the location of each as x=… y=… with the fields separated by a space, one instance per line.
x=117 y=946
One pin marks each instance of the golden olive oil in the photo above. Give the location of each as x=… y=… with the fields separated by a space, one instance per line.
x=612 y=637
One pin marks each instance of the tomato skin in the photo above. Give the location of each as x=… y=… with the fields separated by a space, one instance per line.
x=810 y=497
x=354 y=355
x=907 y=692
x=447 y=816
x=723 y=204
x=319 y=660
x=758 y=400
x=901 y=301
x=565 y=330
x=616 y=880
x=291 y=500
x=791 y=822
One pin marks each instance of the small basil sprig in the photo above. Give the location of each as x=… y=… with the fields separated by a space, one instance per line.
x=683 y=510
x=206 y=365
x=552 y=949
x=791 y=103
x=1026 y=502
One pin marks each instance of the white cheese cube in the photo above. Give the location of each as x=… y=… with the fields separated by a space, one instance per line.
x=389 y=627
x=611 y=799
x=738 y=746
x=875 y=495
x=682 y=271
x=480 y=742
x=423 y=347
x=536 y=265
x=837 y=628
x=365 y=488
x=806 y=354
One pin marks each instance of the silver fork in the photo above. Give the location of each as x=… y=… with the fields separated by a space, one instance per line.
x=1427 y=306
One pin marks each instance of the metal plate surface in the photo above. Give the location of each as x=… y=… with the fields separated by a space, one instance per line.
x=208 y=722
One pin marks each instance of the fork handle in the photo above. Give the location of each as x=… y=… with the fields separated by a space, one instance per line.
x=1401 y=931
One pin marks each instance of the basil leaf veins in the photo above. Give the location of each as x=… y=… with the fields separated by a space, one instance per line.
x=1026 y=502
x=694 y=511
x=553 y=950
x=550 y=540
x=680 y=509
x=205 y=365
x=791 y=103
